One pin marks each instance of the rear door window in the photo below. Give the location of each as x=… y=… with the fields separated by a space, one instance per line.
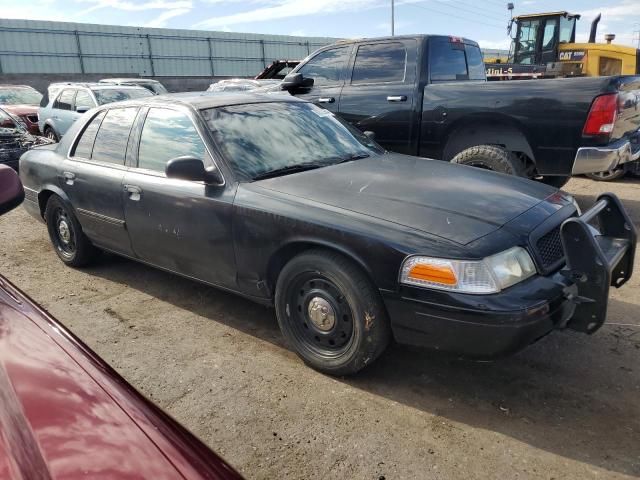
x=84 y=100
x=65 y=100
x=113 y=135
x=380 y=63
x=167 y=134
x=84 y=147
x=327 y=67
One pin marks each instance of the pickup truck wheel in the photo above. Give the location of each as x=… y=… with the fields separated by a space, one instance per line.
x=609 y=176
x=555 y=181
x=330 y=313
x=491 y=157
x=65 y=232
x=51 y=134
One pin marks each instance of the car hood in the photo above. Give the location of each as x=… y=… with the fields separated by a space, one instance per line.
x=455 y=202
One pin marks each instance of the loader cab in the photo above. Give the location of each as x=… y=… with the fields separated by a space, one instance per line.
x=537 y=37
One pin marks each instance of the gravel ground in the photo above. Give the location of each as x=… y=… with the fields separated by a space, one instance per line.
x=566 y=407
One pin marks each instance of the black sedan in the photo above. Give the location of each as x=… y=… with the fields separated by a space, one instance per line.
x=278 y=200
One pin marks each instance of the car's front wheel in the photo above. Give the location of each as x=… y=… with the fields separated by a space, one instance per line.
x=69 y=241
x=331 y=313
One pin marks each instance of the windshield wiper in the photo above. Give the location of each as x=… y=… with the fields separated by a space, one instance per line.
x=354 y=156
x=300 y=167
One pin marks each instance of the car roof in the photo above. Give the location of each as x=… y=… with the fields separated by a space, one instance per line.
x=9 y=85
x=204 y=100
x=130 y=80
x=397 y=37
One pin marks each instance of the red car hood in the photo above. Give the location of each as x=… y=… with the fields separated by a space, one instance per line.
x=65 y=414
x=21 y=110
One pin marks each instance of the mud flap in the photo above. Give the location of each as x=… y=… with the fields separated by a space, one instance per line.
x=597 y=258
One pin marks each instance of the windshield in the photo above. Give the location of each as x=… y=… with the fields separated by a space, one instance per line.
x=110 y=95
x=526 y=42
x=19 y=96
x=260 y=138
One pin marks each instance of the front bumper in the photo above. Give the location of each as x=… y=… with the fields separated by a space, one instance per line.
x=489 y=326
x=605 y=159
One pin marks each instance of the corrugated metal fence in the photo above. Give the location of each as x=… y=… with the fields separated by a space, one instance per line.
x=59 y=47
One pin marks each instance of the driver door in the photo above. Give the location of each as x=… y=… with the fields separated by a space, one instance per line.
x=328 y=70
x=179 y=225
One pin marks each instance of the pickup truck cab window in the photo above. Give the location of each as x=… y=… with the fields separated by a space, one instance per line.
x=327 y=67
x=452 y=61
x=167 y=134
x=380 y=63
x=84 y=145
x=112 y=138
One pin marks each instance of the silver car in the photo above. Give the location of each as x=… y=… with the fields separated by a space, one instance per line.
x=64 y=103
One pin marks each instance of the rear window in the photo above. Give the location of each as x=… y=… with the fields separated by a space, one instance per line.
x=110 y=95
x=454 y=61
x=380 y=63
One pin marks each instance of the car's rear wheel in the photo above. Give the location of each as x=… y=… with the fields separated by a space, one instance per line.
x=51 y=134
x=331 y=313
x=608 y=176
x=491 y=157
x=70 y=243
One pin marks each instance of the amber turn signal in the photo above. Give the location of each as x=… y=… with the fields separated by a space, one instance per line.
x=442 y=274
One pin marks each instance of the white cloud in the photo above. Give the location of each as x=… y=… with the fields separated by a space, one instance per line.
x=503 y=44
x=622 y=11
x=134 y=7
x=286 y=9
x=161 y=20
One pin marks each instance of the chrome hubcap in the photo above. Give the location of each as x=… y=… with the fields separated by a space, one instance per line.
x=64 y=232
x=321 y=314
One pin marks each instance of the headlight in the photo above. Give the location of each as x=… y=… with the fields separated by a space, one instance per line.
x=490 y=275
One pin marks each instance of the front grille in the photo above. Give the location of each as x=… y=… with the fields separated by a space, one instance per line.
x=549 y=248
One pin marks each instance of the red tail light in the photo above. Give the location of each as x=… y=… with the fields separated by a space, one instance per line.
x=602 y=115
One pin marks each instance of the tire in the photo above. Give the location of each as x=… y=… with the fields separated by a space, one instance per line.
x=356 y=334
x=67 y=237
x=491 y=157
x=555 y=181
x=51 y=134
x=607 y=176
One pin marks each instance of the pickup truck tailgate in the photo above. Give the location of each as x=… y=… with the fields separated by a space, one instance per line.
x=628 y=119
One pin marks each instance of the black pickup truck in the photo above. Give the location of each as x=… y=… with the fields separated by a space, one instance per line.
x=427 y=95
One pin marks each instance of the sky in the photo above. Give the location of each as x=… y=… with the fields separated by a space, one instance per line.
x=482 y=20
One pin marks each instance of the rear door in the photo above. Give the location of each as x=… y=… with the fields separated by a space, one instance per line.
x=179 y=225
x=327 y=69
x=379 y=93
x=92 y=177
x=62 y=113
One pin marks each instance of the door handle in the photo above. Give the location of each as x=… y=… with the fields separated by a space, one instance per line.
x=326 y=100
x=69 y=177
x=134 y=192
x=397 y=98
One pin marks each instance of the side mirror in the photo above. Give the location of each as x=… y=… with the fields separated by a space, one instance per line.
x=191 y=168
x=296 y=80
x=11 y=191
x=82 y=109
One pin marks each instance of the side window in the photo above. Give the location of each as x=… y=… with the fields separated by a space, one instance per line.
x=84 y=101
x=447 y=61
x=167 y=134
x=111 y=141
x=84 y=147
x=64 y=100
x=326 y=67
x=475 y=63
x=381 y=63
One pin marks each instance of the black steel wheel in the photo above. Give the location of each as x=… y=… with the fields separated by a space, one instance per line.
x=65 y=232
x=331 y=313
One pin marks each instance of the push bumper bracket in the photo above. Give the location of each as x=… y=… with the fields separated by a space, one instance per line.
x=597 y=258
